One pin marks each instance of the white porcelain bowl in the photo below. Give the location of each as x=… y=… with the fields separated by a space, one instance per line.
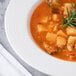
x=17 y=29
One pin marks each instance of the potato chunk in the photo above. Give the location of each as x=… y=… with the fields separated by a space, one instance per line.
x=41 y=28
x=71 y=43
x=61 y=41
x=71 y=31
x=55 y=17
x=51 y=37
x=67 y=5
x=44 y=19
x=52 y=26
x=72 y=40
x=61 y=33
x=48 y=48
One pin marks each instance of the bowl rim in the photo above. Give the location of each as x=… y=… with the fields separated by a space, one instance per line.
x=53 y=65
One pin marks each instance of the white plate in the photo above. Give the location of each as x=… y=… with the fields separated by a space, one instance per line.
x=17 y=19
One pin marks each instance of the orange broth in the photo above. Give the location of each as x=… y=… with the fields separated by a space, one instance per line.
x=44 y=10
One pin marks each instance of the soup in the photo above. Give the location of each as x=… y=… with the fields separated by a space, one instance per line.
x=53 y=27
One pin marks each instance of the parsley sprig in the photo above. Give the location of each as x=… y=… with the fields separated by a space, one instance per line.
x=71 y=18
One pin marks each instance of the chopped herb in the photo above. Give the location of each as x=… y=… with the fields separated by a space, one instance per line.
x=55 y=10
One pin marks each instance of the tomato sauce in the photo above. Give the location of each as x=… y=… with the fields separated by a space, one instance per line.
x=46 y=29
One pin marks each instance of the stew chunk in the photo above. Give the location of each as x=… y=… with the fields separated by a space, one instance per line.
x=61 y=41
x=53 y=27
x=71 y=43
x=51 y=37
x=71 y=31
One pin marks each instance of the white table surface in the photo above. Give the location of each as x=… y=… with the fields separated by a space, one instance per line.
x=5 y=43
x=9 y=66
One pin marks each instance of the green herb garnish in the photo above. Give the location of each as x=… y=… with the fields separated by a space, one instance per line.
x=55 y=10
x=71 y=18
